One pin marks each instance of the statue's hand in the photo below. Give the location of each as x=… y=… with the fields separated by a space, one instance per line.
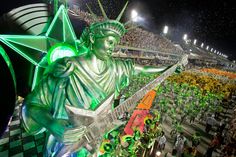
x=72 y=135
x=63 y=131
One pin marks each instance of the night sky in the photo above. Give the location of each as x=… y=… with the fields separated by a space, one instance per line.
x=210 y=21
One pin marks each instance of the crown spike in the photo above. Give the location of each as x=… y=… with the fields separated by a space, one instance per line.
x=122 y=11
x=102 y=9
x=92 y=13
x=128 y=22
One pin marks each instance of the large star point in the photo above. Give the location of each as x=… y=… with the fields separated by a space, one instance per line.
x=35 y=48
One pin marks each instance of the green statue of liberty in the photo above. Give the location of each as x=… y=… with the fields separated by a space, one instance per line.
x=83 y=81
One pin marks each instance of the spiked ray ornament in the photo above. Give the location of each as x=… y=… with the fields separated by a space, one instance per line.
x=34 y=48
x=108 y=24
x=102 y=10
x=122 y=12
x=95 y=18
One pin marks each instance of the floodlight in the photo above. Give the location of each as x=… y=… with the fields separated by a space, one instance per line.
x=134 y=15
x=202 y=45
x=185 y=37
x=165 y=30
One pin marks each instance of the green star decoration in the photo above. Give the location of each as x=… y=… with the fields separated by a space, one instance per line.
x=34 y=48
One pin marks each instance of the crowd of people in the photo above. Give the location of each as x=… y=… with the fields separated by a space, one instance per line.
x=143 y=39
x=137 y=37
x=213 y=125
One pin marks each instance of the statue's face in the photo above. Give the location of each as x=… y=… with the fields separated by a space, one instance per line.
x=104 y=46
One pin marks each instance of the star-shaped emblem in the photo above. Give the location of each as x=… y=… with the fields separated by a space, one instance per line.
x=35 y=48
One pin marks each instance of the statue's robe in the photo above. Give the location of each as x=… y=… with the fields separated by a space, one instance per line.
x=77 y=82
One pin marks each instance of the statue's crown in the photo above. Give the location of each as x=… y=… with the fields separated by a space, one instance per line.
x=107 y=25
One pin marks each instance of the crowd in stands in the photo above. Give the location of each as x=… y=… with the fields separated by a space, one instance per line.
x=143 y=39
x=137 y=37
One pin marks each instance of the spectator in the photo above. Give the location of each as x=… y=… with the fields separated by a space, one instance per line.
x=214 y=143
x=210 y=122
x=221 y=126
x=161 y=141
x=180 y=143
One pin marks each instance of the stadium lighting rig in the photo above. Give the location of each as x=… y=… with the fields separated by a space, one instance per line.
x=134 y=15
x=165 y=30
x=202 y=45
x=185 y=37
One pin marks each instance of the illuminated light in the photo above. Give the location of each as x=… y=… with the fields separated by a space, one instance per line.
x=207 y=47
x=158 y=153
x=195 y=41
x=202 y=45
x=134 y=15
x=59 y=51
x=215 y=51
x=190 y=50
x=165 y=30
x=185 y=37
x=211 y=49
